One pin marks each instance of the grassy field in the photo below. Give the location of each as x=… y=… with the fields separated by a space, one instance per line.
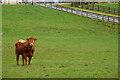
x=113 y=5
x=68 y=46
x=107 y=5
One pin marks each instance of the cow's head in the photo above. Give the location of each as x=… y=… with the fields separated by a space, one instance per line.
x=31 y=41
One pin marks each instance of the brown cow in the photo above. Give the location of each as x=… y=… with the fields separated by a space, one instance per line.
x=25 y=48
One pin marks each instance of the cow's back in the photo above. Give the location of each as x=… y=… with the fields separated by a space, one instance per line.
x=20 y=46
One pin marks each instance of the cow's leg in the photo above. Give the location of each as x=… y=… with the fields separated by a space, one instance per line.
x=17 y=58
x=26 y=60
x=30 y=59
x=23 y=60
x=25 y=57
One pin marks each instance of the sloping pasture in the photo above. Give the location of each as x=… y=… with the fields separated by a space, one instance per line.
x=68 y=45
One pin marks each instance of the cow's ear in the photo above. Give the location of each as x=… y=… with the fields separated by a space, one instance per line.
x=27 y=39
x=35 y=39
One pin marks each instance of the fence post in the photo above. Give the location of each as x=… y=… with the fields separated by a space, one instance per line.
x=113 y=19
x=50 y=5
x=45 y=4
x=108 y=19
x=81 y=13
x=87 y=14
x=102 y=17
x=97 y=16
x=71 y=10
x=91 y=15
x=76 y=11
x=66 y=9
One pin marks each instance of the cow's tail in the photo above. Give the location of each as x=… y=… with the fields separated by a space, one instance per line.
x=16 y=47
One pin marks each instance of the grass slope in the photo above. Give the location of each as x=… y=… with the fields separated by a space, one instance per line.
x=113 y=5
x=68 y=45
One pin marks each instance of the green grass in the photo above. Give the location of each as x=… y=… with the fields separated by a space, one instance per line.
x=87 y=10
x=68 y=46
x=113 y=5
x=107 y=5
